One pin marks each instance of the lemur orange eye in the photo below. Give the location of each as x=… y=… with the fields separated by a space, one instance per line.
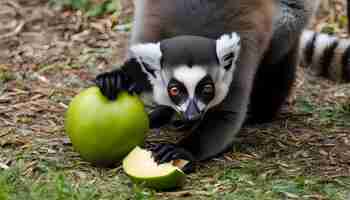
x=174 y=91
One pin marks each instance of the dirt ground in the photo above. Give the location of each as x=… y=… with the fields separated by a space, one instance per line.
x=47 y=56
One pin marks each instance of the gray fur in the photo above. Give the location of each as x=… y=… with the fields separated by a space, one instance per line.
x=190 y=51
x=270 y=32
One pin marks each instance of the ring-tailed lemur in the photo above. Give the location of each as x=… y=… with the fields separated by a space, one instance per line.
x=183 y=53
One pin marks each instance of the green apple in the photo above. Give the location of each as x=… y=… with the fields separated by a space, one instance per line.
x=105 y=131
x=142 y=169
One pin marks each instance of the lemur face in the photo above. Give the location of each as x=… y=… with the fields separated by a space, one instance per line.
x=191 y=89
x=189 y=73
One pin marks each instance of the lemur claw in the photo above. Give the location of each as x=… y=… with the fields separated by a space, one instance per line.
x=163 y=153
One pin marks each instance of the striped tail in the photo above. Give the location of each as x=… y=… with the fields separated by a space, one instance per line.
x=326 y=56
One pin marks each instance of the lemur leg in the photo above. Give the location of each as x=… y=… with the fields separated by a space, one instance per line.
x=272 y=86
x=276 y=73
x=290 y=20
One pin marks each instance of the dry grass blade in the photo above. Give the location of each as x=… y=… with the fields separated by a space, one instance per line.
x=18 y=14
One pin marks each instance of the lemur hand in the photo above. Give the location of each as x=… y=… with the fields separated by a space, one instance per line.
x=111 y=83
x=163 y=153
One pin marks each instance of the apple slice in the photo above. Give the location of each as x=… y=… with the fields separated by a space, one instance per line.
x=141 y=168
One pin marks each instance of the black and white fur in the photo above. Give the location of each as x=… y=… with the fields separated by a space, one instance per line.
x=326 y=55
x=189 y=59
x=188 y=39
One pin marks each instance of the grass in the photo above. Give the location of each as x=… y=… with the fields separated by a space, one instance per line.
x=252 y=184
x=49 y=186
x=59 y=185
x=91 y=8
x=248 y=181
x=332 y=114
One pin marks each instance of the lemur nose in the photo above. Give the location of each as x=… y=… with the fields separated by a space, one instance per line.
x=192 y=112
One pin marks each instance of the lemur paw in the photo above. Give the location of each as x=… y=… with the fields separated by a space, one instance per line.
x=111 y=83
x=163 y=153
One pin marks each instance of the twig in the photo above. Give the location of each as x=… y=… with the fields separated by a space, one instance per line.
x=15 y=32
x=18 y=29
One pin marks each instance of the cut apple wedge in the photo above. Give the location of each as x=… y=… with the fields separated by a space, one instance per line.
x=142 y=169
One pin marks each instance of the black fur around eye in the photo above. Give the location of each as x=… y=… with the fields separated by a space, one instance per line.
x=208 y=89
x=207 y=93
x=205 y=90
x=177 y=92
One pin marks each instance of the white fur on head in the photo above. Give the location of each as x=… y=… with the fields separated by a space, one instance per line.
x=227 y=50
x=190 y=77
x=149 y=54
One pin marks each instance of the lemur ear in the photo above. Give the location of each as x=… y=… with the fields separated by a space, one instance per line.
x=149 y=56
x=227 y=50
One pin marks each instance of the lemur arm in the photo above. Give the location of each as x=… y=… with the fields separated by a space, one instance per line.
x=130 y=77
x=160 y=116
